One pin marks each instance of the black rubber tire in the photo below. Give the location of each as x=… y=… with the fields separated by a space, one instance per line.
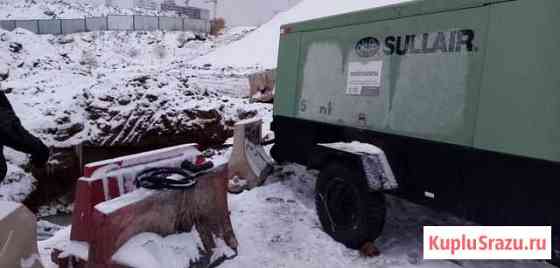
x=276 y=153
x=348 y=211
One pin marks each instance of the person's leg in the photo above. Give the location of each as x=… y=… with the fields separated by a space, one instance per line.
x=3 y=167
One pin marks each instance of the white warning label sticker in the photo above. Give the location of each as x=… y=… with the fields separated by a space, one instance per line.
x=364 y=78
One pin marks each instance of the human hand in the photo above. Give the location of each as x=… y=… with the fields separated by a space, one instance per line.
x=41 y=158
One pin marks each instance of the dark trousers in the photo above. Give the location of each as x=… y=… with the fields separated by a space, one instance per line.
x=3 y=167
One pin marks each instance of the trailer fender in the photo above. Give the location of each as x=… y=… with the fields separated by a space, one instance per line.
x=371 y=160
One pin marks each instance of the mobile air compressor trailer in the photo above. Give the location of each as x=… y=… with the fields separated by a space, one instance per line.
x=463 y=96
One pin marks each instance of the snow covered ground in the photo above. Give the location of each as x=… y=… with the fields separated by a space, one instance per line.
x=18 y=184
x=276 y=226
x=151 y=250
x=53 y=80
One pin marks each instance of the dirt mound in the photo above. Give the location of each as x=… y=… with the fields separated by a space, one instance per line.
x=145 y=108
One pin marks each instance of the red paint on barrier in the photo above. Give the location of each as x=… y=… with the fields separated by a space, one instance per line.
x=88 y=194
x=93 y=191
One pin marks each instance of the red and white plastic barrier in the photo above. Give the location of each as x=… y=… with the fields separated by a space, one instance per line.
x=109 y=179
x=109 y=210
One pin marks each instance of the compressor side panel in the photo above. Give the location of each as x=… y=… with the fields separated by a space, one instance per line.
x=520 y=97
x=417 y=76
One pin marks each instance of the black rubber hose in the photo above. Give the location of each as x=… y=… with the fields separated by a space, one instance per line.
x=159 y=179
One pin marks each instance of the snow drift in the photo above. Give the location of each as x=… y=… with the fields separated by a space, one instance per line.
x=260 y=48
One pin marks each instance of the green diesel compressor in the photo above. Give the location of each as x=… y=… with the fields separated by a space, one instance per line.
x=463 y=96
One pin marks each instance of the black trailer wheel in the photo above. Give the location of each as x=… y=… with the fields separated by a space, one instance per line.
x=348 y=211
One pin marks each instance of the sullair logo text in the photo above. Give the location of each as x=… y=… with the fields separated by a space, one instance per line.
x=427 y=43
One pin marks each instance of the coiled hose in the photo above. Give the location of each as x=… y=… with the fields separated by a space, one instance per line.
x=168 y=178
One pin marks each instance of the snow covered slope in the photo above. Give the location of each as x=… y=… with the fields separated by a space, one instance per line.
x=101 y=87
x=260 y=48
x=48 y=9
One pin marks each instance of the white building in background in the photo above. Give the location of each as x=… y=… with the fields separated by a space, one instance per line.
x=251 y=12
